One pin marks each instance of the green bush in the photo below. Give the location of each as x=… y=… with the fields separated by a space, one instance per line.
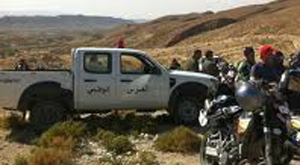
x=106 y=137
x=20 y=160
x=100 y=133
x=65 y=135
x=181 y=139
x=117 y=144
x=120 y=145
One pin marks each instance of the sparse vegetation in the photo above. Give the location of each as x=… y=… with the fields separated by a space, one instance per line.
x=8 y=52
x=120 y=145
x=111 y=159
x=50 y=156
x=147 y=158
x=63 y=135
x=145 y=124
x=143 y=158
x=105 y=137
x=11 y=121
x=117 y=144
x=46 y=156
x=123 y=124
x=20 y=160
x=181 y=139
x=264 y=30
x=267 y=41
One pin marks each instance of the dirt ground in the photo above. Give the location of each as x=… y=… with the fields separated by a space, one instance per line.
x=9 y=150
x=13 y=144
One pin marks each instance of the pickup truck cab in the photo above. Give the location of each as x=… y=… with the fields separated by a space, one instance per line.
x=104 y=79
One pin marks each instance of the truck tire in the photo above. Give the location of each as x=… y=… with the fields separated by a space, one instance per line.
x=186 y=110
x=46 y=112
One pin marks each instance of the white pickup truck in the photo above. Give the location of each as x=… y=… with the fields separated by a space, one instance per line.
x=103 y=79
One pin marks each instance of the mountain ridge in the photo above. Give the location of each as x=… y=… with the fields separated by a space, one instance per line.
x=61 y=22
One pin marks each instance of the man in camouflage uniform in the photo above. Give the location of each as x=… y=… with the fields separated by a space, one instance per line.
x=193 y=63
x=244 y=67
x=209 y=65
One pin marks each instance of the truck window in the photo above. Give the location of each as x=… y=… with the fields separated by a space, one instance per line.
x=97 y=63
x=131 y=65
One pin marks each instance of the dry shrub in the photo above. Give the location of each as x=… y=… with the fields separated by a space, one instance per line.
x=63 y=135
x=12 y=121
x=181 y=139
x=61 y=142
x=143 y=158
x=114 y=160
x=20 y=160
x=147 y=158
x=51 y=156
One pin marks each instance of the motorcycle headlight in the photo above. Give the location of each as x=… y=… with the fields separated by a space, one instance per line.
x=249 y=97
x=296 y=123
x=243 y=125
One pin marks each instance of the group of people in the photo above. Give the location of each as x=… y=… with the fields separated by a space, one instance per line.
x=199 y=63
x=269 y=68
x=22 y=65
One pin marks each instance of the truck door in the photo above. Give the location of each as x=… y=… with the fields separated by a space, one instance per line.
x=140 y=82
x=96 y=82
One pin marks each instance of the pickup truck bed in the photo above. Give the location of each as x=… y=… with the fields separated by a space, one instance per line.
x=12 y=82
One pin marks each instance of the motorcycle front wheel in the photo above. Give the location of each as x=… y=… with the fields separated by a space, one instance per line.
x=210 y=156
x=204 y=159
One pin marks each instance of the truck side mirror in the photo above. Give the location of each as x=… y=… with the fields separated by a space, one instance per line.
x=155 y=70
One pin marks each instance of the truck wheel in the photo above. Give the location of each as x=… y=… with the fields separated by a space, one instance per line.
x=46 y=113
x=187 y=110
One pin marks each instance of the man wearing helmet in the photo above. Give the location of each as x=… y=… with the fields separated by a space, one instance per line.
x=244 y=67
x=266 y=69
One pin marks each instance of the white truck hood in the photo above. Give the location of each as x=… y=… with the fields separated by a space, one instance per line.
x=183 y=76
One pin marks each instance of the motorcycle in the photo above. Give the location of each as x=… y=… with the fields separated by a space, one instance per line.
x=225 y=88
x=266 y=139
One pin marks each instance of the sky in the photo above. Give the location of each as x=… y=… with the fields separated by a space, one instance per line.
x=129 y=9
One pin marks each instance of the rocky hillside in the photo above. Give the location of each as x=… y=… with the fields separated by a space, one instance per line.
x=62 y=22
x=227 y=32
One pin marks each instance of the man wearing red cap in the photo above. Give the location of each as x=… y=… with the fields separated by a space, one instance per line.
x=121 y=43
x=266 y=69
